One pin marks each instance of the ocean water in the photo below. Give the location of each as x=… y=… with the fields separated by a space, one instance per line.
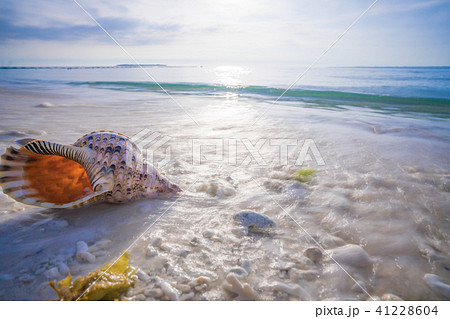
x=377 y=208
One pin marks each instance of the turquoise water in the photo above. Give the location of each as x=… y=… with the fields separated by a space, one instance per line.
x=404 y=90
x=433 y=106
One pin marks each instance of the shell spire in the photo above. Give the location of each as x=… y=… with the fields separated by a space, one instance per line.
x=99 y=166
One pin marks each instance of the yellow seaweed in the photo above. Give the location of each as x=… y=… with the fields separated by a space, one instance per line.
x=304 y=175
x=107 y=283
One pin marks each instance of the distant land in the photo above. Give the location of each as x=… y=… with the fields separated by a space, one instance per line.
x=139 y=65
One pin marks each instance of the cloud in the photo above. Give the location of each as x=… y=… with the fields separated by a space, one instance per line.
x=126 y=31
x=17 y=24
x=405 y=6
x=295 y=31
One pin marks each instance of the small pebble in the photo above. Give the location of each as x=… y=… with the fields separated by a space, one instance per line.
x=169 y=291
x=201 y=284
x=208 y=234
x=194 y=241
x=82 y=246
x=153 y=292
x=165 y=247
x=256 y=223
x=142 y=275
x=274 y=186
x=203 y=280
x=351 y=255
x=157 y=242
x=150 y=251
x=183 y=253
x=314 y=254
x=201 y=288
x=183 y=288
x=85 y=257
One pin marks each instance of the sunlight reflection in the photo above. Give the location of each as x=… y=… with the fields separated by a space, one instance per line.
x=230 y=75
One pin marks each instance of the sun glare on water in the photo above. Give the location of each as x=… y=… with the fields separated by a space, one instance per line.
x=231 y=76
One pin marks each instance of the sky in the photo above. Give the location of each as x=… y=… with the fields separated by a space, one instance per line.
x=291 y=32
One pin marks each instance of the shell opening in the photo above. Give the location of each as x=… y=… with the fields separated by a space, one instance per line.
x=56 y=179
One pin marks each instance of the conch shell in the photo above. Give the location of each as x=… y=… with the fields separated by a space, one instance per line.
x=100 y=166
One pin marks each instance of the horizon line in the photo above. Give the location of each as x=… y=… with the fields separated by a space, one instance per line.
x=162 y=65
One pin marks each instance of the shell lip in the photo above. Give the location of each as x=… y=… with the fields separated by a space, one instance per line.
x=25 y=141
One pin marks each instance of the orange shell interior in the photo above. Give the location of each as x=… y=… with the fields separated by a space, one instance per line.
x=57 y=179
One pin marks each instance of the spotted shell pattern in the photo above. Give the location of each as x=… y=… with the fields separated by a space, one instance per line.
x=99 y=166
